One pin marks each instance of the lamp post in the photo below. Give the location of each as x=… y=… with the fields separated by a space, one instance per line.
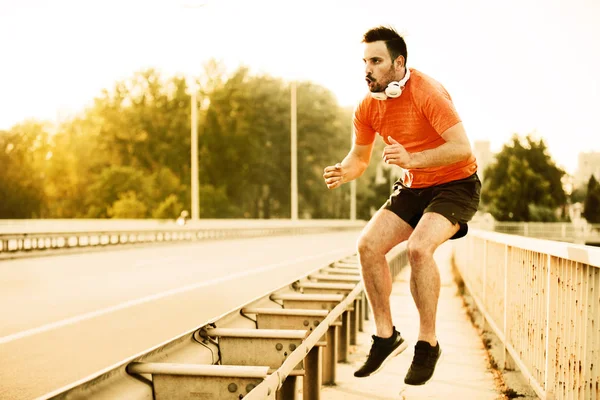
x=294 y=151
x=195 y=184
x=194 y=158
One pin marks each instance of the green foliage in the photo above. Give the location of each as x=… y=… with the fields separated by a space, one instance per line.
x=77 y=158
x=170 y=208
x=111 y=185
x=245 y=143
x=324 y=138
x=144 y=122
x=542 y=214
x=24 y=150
x=242 y=144
x=578 y=195
x=524 y=184
x=162 y=185
x=214 y=203
x=128 y=154
x=134 y=138
x=128 y=206
x=591 y=205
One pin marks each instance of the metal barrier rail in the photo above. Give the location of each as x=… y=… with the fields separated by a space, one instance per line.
x=542 y=300
x=247 y=351
x=24 y=237
x=269 y=387
x=581 y=233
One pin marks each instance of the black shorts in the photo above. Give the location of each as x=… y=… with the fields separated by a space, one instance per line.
x=457 y=201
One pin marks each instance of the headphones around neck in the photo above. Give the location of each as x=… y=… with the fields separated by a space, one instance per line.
x=393 y=90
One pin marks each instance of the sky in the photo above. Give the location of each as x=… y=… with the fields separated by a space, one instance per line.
x=513 y=66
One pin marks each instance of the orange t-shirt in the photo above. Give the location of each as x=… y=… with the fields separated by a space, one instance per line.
x=416 y=120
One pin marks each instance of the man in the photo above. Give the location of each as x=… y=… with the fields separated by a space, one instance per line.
x=434 y=201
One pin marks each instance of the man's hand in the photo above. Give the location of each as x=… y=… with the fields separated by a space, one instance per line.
x=334 y=176
x=396 y=154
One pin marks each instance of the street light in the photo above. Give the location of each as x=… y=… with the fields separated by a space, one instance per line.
x=194 y=157
x=195 y=184
x=294 y=151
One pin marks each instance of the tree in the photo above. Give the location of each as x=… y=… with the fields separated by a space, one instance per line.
x=324 y=138
x=128 y=206
x=524 y=184
x=245 y=147
x=24 y=151
x=170 y=208
x=591 y=205
x=112 y=185
x=128 y=154
x=144 y=122
x=78 y=157
x=578 y=195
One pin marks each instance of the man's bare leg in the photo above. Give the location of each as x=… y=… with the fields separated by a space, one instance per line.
x=432 y=230
x=382 y=233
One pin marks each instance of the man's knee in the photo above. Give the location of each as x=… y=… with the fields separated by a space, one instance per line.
x=367 y=246
x=418 y=251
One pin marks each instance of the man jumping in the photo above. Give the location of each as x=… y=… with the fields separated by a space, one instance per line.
x=432 y=203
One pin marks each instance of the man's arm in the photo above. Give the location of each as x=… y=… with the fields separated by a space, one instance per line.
x=353 y=166
x=457 y=148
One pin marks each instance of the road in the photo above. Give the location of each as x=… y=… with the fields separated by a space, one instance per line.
x=66 y=317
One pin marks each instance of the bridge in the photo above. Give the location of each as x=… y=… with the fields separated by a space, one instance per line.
x=260 y=309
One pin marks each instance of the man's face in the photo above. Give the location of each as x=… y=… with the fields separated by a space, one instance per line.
x=379 y=69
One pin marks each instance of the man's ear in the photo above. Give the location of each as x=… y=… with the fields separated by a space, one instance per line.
x=399 y=62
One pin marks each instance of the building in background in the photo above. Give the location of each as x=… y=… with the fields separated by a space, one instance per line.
x=588 y=165
x=484 y=156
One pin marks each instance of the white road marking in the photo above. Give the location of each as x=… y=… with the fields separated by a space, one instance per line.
x=131 y=303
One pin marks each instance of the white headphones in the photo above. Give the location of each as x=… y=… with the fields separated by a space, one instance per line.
x=393 y=90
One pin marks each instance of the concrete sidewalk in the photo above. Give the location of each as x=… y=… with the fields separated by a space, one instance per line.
x=462 y=372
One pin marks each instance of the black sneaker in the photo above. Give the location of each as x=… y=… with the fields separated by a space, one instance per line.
x=423 y=364
x=381 y=351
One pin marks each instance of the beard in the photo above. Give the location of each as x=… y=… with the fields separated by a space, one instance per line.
x=379 y=85
x=375 y=87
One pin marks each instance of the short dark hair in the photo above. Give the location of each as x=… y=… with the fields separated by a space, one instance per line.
x=393 y=41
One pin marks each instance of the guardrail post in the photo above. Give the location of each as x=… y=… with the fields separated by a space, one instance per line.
x=311 y=389
x=484 y=324
x=354 y=316
x=331 y=355
x=344 y=341
x=507 y=362
x=361 y=312
x=551 y=330
x=592 y=341
x=288 y=389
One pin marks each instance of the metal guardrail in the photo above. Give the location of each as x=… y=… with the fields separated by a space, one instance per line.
x=260 y=358
x=30 y=237
x=269 y=387
x=542 y=300
x=582 y=233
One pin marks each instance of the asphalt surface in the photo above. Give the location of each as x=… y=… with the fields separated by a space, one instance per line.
x=63 y=318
